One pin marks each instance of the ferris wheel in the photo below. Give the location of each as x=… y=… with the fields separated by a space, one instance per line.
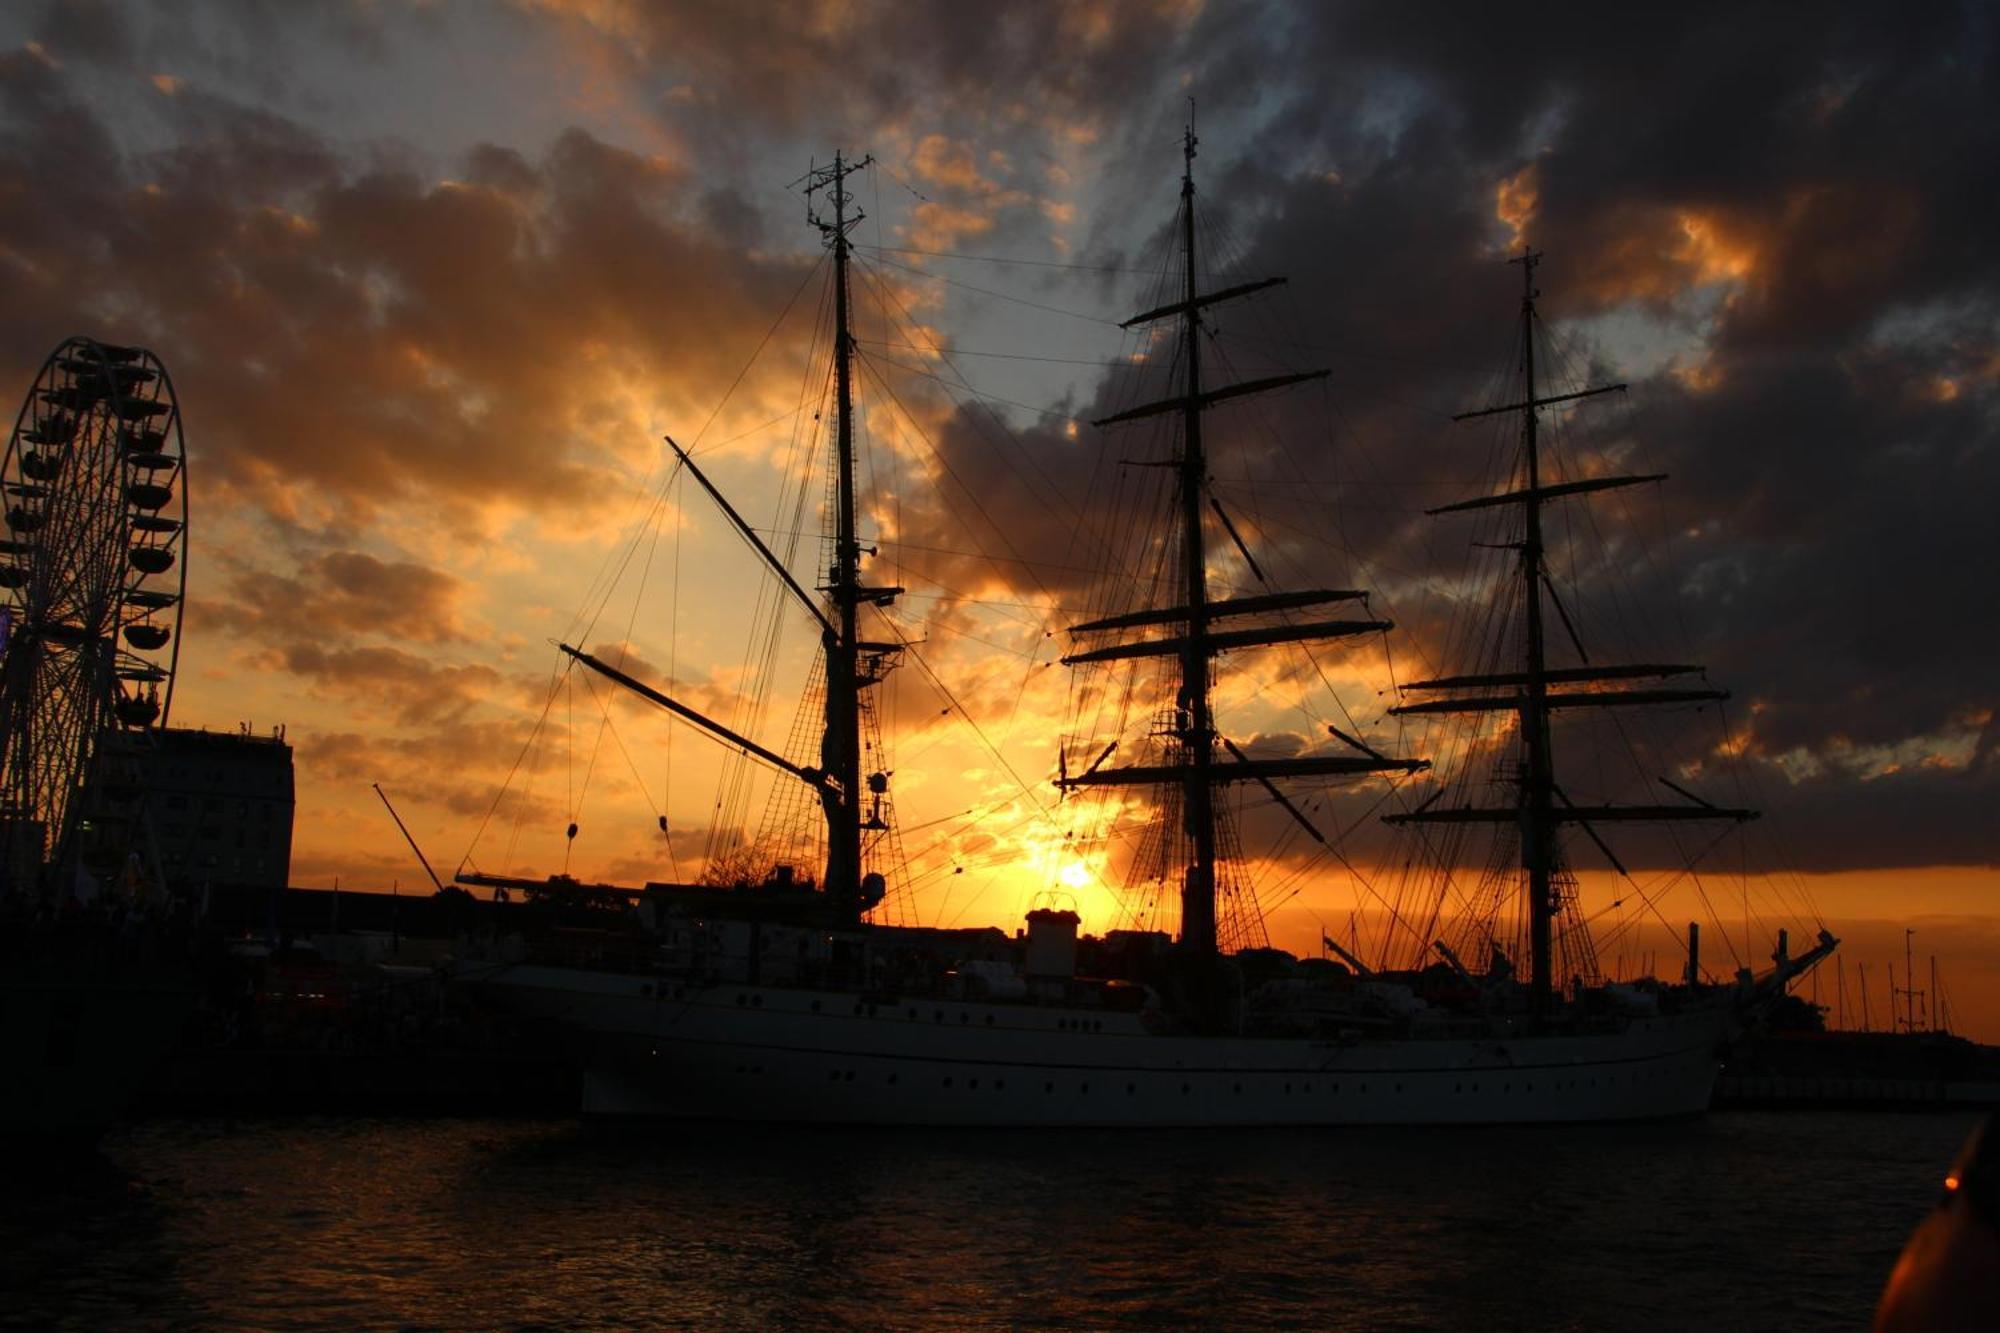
x=91 y=585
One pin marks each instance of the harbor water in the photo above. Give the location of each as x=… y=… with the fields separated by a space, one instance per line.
x=1739 y=1220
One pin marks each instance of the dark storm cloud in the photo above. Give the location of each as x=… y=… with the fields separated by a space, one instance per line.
x=1809 y=190
x=1846 y=161
x=811 y=64
x=93 y=30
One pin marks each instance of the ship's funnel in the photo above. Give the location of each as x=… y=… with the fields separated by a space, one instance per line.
x=1052 y=943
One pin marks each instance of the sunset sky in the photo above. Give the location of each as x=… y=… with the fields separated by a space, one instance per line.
x=434 y=279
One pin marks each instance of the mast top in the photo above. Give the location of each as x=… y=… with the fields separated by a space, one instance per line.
x=833 y=179
x=1528 y=259
x=1188 y=143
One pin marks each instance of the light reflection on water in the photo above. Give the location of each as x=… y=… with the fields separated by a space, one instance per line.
x=1738 y=1220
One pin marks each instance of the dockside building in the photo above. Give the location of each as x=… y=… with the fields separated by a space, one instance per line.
x=221 y=806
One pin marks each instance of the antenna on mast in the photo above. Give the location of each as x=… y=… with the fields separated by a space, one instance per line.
x=1188 y=144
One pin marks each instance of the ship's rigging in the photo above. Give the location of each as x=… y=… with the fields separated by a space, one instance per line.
x=1532 y=691
x=1191 y=769
x=1180 y=621
x=850 y=664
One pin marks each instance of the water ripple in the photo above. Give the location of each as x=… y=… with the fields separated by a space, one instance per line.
x=1740 y=1220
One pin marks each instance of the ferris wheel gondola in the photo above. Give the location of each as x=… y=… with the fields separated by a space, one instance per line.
x=92 y=578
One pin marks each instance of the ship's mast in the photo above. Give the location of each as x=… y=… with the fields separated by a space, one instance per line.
x=1538 y=840
x=1194 y=769
x=852 y=663
x=1193 y=715
x=840 y=743
x=1541 y=807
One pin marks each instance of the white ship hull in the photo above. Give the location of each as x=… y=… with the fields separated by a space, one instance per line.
x=730 y=1051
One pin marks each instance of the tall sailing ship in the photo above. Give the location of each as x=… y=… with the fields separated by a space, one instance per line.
x=780 y=1000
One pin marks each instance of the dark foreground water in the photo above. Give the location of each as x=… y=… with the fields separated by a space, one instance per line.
x=1742 y=1220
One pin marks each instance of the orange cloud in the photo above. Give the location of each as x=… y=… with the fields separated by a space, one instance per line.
x=1514 y=201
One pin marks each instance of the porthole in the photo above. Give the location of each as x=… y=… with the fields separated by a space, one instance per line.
x=815 y=1006
x=947 y=1081
x=1131 y=1088
x=742 y=1000
x=1048 y=1087
x=972 y=1084
x=1186 y=1088
x=1239 y=1087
